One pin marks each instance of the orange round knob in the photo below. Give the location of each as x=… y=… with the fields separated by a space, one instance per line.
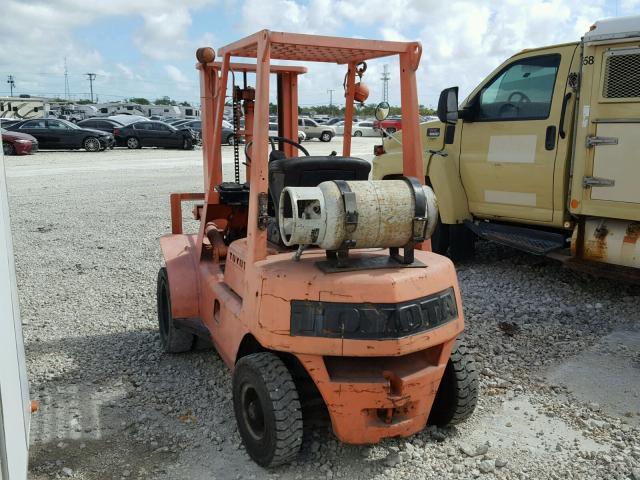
x=361 y=92
x=205 y=54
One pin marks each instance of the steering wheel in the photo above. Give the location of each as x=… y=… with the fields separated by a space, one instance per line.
x=272 y=142
x=523 y=97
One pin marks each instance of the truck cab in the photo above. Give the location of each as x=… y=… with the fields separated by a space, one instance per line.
x=542 y=154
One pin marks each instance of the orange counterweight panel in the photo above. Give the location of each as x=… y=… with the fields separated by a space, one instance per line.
x=371 y=398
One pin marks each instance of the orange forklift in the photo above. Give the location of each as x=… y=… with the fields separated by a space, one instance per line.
x=316 y=285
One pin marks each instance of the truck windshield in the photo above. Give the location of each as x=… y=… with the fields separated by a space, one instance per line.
x=523 y=90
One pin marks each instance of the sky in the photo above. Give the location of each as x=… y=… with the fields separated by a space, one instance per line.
x=146 y=48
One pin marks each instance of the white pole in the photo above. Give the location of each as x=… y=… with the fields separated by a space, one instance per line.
x=15 y=407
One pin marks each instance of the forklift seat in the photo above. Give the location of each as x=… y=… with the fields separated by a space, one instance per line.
x=312 y=171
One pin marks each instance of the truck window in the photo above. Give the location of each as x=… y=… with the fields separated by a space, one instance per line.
x=521 y=91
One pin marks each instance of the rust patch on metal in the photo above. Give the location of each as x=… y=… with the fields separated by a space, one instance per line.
x=596 y=248
x=632 y=233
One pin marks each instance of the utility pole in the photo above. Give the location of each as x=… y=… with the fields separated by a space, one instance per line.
x=385 y=82
x=11 y=82
x=330 y=92
x=66 y=80
x=92 y=77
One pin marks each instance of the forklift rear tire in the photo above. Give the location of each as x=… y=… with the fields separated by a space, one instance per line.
x=173 y=340
x=458 y=392
x=267 y=409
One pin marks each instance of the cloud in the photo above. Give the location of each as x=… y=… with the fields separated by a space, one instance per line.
x=175 y=74
x=314 y=16
x=164 y=34
x=463 y=40
x=128 y=72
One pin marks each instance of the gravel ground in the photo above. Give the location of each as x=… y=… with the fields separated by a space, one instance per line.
x=559 y=351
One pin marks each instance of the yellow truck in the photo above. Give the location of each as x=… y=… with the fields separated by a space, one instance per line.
x=543 y=155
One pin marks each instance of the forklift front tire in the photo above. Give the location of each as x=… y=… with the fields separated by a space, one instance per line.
x=173 y=339
x=458 y=392
x=267 y=409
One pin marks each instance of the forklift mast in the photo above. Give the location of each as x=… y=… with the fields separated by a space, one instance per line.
x=265 y=46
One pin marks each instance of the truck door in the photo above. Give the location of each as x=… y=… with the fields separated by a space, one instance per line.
x=510 y=136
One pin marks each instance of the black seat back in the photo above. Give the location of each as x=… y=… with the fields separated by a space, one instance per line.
x=312 y=171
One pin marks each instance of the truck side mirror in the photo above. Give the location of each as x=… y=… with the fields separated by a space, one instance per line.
x=448 y=105
x=382 y=111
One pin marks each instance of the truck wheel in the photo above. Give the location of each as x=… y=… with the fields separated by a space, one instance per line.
x=231 y=139
x=462 y=243
x=173 y=340
x=357 y=133
x=325 y=137
x=267 y=408
x=391 y=130
x=458 y=392
x=187 y=144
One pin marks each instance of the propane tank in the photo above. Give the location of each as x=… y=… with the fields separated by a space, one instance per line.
x=357 y=214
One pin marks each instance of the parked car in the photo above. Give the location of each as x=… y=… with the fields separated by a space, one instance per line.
x=313 y=130
x=228 y=136
x=179 y=123
x=104 y=124
x=16 y=143
x=154 y=134
x=339 y=126
x=7 y=122
x=364 y=129
x=334 y=120
x=273 y=132
x=390 y=124
x=195 y=126
x=62 y=135
x=125 y=119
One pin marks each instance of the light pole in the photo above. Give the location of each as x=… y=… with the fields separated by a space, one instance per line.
x=92 y=77
x=12 y=83
x=330 y=92
x=385 y=82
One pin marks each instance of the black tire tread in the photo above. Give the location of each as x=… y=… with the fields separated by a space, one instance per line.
x=457 y=402
x=285 y=402
x=177 y=341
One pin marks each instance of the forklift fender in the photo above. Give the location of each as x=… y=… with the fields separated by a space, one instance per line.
x=179 y=257
x=445 y=180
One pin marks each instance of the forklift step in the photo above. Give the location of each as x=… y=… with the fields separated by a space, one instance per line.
x=529 y=240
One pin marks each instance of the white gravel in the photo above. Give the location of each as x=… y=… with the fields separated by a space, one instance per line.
x=112 y=405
